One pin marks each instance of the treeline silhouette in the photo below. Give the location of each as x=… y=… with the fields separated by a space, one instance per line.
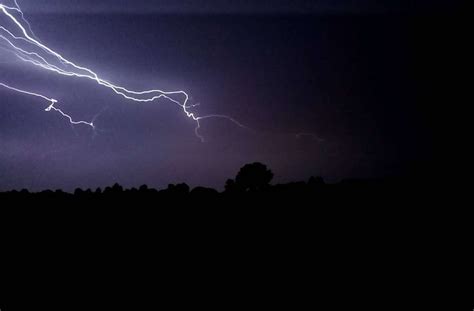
x=271 y=240
x=251 y=184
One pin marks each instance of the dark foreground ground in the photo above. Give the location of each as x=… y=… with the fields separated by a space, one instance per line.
x=358 y=244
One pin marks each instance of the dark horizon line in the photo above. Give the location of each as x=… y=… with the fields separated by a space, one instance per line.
x=380 y=180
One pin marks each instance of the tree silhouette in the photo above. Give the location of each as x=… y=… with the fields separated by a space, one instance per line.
x=232 y=187
x=143 y=189
x=253 y=177
x=178 y=190
x=251 y=183
x=316 y=181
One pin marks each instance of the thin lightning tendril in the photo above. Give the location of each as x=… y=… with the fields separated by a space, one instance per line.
x=31 y=55
x=50 y=107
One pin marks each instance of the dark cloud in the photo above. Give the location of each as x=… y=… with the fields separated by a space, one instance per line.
x=226 y=6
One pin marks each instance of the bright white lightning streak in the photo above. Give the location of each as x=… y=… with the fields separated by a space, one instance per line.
x=83 y=72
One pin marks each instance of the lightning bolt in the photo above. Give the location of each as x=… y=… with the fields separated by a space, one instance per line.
x=51 y=107
x=25 y=46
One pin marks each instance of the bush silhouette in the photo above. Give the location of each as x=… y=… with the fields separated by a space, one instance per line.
x=253 y=177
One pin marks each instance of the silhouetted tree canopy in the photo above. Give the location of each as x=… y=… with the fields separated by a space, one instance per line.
x=251 y=184
x=204 y=193
x=316 y=181
x=177 y=190
x=253 y=177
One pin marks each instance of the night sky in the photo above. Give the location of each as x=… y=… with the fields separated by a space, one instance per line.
x=350 y=74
